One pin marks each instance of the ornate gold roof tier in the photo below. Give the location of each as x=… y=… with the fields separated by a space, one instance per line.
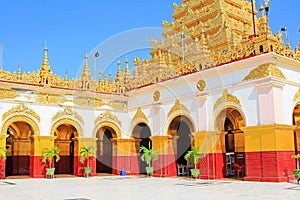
x=204 y=33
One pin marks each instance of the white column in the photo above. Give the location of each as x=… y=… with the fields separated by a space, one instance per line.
x=202 y=112
x=270 y=103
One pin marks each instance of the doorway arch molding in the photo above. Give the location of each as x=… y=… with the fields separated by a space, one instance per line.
x=67 y=120
x=179 y=114
x=21 y=113
x=223 y=107
x=107 y=123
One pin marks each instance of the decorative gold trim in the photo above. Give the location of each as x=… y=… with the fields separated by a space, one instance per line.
x=21 y=109
x=107 y=124
x=107 y=116
x=17 y=117
x=265 y=70
x=156 y=95
x=67 y=112
x=71 y=121
x=201 y=84
x=297 y=95
x=8 y=94
x=178 y=107
x=140 y=115
x=226 y=97
x=50 y=98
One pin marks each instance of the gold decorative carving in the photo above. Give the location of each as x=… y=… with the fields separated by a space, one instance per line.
x=8 y=94
x=156 y=95
x=88 y=102
x=107 y=116
x=201 y=84
x=226 y=97
x=178 y=107
x=215 y=33
x=21 y=109
x=140 y=115
x=67 y=112
x=118 y=105
x=50 y=98
x=297 y=95
x=70 y=121
x=19 y=117
x=112 y=125
x=265 y=70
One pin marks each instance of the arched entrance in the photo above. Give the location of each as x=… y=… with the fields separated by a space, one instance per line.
x=296 y=123
x=18 y=145
x=65 y=133
x=142 y=133
x=229 y=121
x=181 y=128
x=105 y=149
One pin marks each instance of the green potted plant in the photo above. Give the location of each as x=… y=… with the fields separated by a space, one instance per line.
x=85 y=153
x=297 y=170
x=195 y=154
x=48 y=155
x=147 y=156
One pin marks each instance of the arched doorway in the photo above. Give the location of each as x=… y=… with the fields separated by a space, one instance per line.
x=105 y=149
x=181 y=128
x=18 y=146
x=296 y=123
x=142 y=132
x=65 y=134
x=229 y=121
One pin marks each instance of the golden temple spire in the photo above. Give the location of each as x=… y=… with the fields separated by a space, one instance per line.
x=45 y=65
x=86 y=71
x=118 y=76
x=127 y=72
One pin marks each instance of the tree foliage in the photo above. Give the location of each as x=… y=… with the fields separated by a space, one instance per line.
x=48 y=154
x=148 y=154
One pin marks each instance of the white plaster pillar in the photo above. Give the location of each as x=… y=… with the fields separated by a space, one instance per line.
x=157 y=120
x=270 y=103
x=202 y=112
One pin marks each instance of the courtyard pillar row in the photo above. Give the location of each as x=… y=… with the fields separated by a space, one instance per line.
x=268 y=153
x=78 y=166
x=38 y=143
x=212 y=159
x=2 y=159
x=166 y=148
x=125 y=155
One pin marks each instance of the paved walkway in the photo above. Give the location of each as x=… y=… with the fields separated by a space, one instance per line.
x=143 y=188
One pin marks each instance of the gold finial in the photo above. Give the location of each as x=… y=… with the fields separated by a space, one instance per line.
x=100 y=75
x=45 y=65
x=86 y=71
x=118 y=76
x=110 y=78
x=127 y=72
x=66 y=74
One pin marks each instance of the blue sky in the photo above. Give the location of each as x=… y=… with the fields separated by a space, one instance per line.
x=72 y=28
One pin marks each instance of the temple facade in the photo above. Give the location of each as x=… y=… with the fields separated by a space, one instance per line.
x=216 y=81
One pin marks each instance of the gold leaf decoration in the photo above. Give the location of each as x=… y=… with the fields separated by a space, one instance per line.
x=21 y=108
x=50 y=98
x=8 y=94
x=107 y=116
x=265 y=70
x=178 y=107
x=67 y=112
x=201 y=84
x=226 y=97
x=297 y=95
x=140 y=115
x=156 y=95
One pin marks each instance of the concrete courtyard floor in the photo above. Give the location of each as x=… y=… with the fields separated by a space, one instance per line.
x=142 y=188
